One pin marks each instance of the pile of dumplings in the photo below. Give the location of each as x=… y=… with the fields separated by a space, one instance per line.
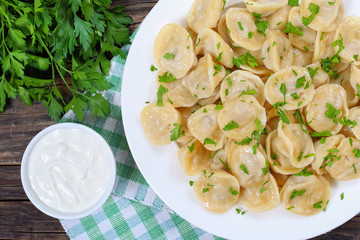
x=262 y=99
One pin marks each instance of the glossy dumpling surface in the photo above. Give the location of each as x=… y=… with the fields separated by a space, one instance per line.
x=204 y=14
x=263 y=198
x=327 y=96
x=218 y=191
x=297 y=85
x=265 y=7
x=300 y=194
x=158 y=121
x=237 y=118
x=173 y=50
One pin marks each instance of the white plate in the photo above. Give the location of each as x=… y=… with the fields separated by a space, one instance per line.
x=161 y=168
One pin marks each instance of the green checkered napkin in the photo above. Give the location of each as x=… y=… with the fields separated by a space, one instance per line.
x=133 y=211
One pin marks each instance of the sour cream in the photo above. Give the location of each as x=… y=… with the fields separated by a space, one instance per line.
x=68 y=170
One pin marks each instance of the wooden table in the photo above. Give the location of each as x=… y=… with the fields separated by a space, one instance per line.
x=19 y=219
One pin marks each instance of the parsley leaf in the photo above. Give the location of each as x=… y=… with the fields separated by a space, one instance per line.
x=167 y=77
x=230 y=126
x=161 y=91
x=290 y=28
x=243 y=167
x=314 y=9
x=169 y=56
x=297 y=193
x=175 y=132
x=293 y=3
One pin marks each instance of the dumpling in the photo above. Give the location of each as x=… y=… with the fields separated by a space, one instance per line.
x=279 y=18
x=322 y=150
x=219 y=160
x=348 y=32
x=297 y=85
x=301 y=58
x=206 y=76
x=178 y=95
x=320 y=77
x=289 y=148
x=248 y=164
x=265 y=7
x=185 y=113
x=277 y=51
x=309 y=35
x=212 y=99
x=221 y=29
x=354 y=115
x=210 y=42
x=260 y=199
x=158 y=121
x=322 y=46
x=355 y=79
x=218 y=191
x=173 y=50
x=204 y=14
x=239 y=82
x=305 y=195
x=344 y=80
x=237 y=119
x=203 y=126
x=242 y=29
x=327 y=16
x=194 y=158
x=327 y=96
x=346 y=166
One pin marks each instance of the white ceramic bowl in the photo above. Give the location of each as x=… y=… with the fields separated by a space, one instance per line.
x=32 y=195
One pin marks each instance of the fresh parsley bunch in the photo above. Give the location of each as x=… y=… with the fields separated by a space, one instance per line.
x=45 y=43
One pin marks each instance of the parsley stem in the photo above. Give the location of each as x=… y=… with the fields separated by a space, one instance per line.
x=14 y=7
x=2 y=12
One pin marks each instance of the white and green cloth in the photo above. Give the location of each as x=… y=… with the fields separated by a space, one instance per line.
x=133 y=211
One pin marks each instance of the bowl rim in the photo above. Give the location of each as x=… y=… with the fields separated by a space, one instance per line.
x=32 y=195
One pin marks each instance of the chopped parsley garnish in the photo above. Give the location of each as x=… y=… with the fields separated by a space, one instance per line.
x=281 y=113
x=248 y=59
x=291 y=207
x=358 y=90
x=329 y=159
x=226 y=92
x=204 y=190
x=293 y=3
x=351 y=141
x=278 y=23
x=229 y=81
x=324 y=209
x=305 y=48
x=295 y=73
x=160 y=93
x=243 y=167
x=262 y=26
x=321 y=134
x=304 y=173
x=191 y=147
x=217 y=67
x=312 y=72
x=218 y=107
x=198 y=41
x=224 y=1
x=273 y=156
x=354 y=168
x=147 y=102
x=296 y=193
x=248 y=92
x=300 y=82
x=245 y=141
x=283 y=90
x=233 y=191
x=256 y=15
x=218 y=59
x=205 y=111
x=347 y=122
x=240 y=26
x=331 y=3
x=300 y=156
x=263 y=189
x=298 y=116
x=342 y=196
x=274 y=44
x=218 y=45
x=290 y=28
x=258 y=125
x=331 y=112
x=175 y=132
x=356 y=152
x=167 y=77
x=318 y=205
x=250 y=35
x=265 y=170
x=294 y=95
x=153 y=68
x=169 y=56
x=230 y=126
x=213 y=155
x=191 y=183
x=314 y=9
x=310 y=155
x=356 y=57
x=254 y=148
x=209 y=141
x=225 y=165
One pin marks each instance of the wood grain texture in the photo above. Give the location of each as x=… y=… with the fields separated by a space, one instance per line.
x=19 y=219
